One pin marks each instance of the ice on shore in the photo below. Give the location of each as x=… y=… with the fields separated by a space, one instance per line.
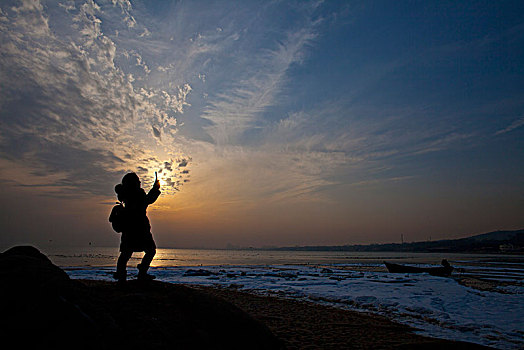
x=439 y=307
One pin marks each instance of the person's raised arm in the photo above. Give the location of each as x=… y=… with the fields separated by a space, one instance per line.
x=154 y=192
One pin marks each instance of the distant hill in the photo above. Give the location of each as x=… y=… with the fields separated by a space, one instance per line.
x=491 y=242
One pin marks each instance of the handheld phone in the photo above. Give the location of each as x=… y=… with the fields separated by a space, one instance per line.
x=156 y=177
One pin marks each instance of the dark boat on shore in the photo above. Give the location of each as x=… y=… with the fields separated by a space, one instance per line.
x=443 y=271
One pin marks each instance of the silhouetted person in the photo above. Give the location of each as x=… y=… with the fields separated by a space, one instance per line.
x=448 y=268
x=445 y=263
x=136 y=234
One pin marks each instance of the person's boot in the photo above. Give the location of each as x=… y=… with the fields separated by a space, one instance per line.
x=142 y=273
x=120 y=277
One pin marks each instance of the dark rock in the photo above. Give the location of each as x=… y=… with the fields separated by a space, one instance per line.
x=40 y=303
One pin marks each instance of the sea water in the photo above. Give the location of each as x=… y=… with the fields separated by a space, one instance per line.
x=437 y=306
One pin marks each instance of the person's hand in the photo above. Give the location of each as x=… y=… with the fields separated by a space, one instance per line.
x=156 y=185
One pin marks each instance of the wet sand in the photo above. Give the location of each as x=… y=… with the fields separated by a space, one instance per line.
x=306 y=325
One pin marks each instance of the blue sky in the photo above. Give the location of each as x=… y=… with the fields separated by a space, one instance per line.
x=269 y=122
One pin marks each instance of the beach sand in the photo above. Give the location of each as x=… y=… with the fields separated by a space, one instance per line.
x=306 y=325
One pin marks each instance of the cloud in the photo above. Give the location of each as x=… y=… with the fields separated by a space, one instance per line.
x=86 y=80
x=254 y=83
x=69 y=107
x=304 y=152
x=257 y=86
x=156 y=132
x=168 y=166
x=514 y=125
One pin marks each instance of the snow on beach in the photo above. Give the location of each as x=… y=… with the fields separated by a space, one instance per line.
x=437 y=306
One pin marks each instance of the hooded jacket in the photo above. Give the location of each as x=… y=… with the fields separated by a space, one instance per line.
x=136 y=234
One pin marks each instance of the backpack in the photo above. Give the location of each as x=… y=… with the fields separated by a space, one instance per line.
x=118 y=217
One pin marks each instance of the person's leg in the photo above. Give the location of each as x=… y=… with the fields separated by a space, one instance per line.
x=146 y=260
x=121 y=265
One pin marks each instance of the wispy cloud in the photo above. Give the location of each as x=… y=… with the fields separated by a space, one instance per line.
x=257 y=86
x=514 y=125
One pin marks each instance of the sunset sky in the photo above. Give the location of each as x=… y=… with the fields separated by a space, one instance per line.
x=270 y=123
